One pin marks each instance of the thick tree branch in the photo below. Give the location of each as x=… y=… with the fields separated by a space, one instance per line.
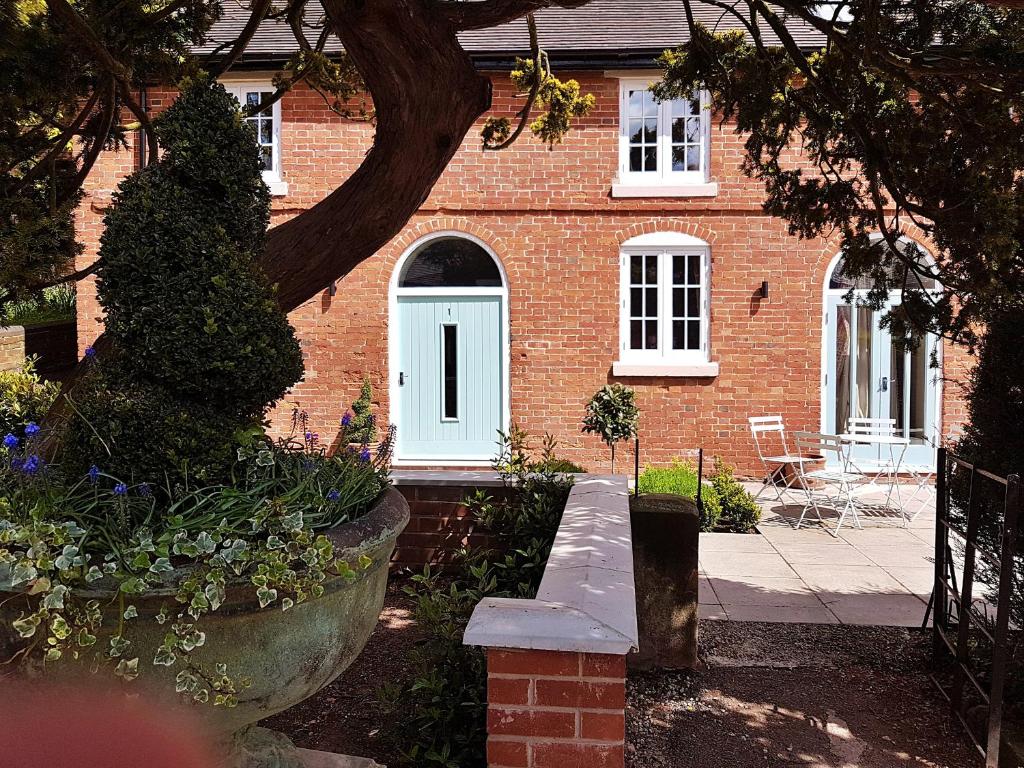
x=427 y=95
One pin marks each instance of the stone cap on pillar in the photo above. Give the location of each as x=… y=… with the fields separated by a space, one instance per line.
x=587 y=599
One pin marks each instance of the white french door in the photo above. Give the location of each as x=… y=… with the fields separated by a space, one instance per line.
x=866 y=375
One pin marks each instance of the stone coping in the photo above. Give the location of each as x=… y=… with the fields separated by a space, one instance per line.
x=586 y=602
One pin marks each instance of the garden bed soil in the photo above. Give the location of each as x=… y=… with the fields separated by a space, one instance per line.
x=769 y=696
x=348 y=716
x=826 y=696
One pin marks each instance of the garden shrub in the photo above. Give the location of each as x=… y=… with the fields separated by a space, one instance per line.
x=201 y=346
x=740 y=513
x=681 y=480
x=441 y=714
x=993 y=439
x=556 y=465
x=362 y=423
x=24 y=398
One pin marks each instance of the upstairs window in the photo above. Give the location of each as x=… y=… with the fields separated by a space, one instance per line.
x=662 y=143
x=665 y=301
x=267 y=126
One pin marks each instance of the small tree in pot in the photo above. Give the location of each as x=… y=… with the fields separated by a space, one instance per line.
x=612 y=414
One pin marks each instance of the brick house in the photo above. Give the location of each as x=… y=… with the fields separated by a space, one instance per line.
x=635 y=252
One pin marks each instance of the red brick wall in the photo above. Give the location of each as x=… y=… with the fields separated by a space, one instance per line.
x=550 y=218
x=548 y=709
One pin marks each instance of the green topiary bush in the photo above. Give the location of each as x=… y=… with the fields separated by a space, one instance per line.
x=740 y=513
x=681 y=480
x=612 y=415
x=201 y=347
x=362 y=424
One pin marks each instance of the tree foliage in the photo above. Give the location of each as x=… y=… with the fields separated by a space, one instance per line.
x=907 y=117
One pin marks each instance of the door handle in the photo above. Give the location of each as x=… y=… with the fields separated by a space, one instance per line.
x=401 y=378
x=885 y=384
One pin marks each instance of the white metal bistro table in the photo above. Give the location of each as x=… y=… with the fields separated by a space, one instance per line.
x=876 y=468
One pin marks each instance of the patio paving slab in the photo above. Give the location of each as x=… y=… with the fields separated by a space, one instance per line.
x=765 y=591
x=781 y=615
x=880 y=574
x=894 y=611
x=746 y=564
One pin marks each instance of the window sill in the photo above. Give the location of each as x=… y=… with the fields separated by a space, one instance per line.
x=709 y=189
x=670 y=370
x=277 y=187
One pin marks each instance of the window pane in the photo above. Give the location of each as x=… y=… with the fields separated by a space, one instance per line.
x=450 y=374
x=693 y=334
x=693 y=158
x=651 y=130
x=678 y=302
x=636 y=302
x=679 y=130
x=636 y=162
x=678 y=270
x=692 y=302
x=636 y=131
x=692 y=130
x=651 y=302
x=693 y=270
x=679 y=334
x=451 y=261
x=842 y=372
x=636 y=100
x=681 y=107
x=650 y=105
x=252 y=98
x=636 y=269
x=694 y=106
x=636 y=334
x=267 y=156
x=651 y=159
x=266 y=131
x=651 y=270
x=651 y=334
x=679 y=158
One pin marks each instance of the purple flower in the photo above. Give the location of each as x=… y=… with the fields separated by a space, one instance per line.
x=364 y=455
x=10 y=441
x=90 y=352
x=16 y=464
x=346 y=419
x=32 y=465
x=309 y=437
x=120 y=489
x=94 y=473
x=145 y=490
x=31 y=428
x=333 y=495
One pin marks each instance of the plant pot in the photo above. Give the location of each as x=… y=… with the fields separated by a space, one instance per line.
x=812 y=463
x=289 y=655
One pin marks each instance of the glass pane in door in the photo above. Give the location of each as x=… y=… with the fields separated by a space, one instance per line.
x=841 y=377
x=918 y=395
x=865 y=372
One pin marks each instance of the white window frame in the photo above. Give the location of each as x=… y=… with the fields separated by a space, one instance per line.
x=665 y=361
x=665 y=181
x=273 y=178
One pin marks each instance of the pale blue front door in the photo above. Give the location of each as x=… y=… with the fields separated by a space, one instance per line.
x=450 y=387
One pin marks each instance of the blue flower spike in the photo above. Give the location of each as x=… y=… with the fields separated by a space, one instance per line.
x=120 y=489
x=31 y=428
x=94 y=474
x=32 y=465
x=333 y=496
x=145 y=490
x=10 y=441
x=364 y=454
x=346 y=419
x=90 y=352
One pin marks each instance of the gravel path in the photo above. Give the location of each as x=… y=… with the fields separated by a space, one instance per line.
x=796 y=695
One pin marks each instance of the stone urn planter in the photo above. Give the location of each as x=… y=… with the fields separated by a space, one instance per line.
x=289 y=655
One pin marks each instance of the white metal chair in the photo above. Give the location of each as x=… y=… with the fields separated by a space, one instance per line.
x=812 y=447
x=763 y=428
x=880 y=465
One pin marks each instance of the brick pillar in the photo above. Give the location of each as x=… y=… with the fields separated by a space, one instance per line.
x=555 y=709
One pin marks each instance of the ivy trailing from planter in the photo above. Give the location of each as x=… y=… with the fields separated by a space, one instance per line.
x=440 y=715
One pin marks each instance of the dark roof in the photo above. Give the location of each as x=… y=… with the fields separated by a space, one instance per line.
x=601 y=33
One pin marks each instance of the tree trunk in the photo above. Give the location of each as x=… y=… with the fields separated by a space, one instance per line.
x=427 y=95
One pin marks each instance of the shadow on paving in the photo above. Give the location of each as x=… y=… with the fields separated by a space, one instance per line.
x=796 y=695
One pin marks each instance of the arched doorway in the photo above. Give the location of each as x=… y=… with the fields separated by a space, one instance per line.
x=866 y=375
x=449 y=351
